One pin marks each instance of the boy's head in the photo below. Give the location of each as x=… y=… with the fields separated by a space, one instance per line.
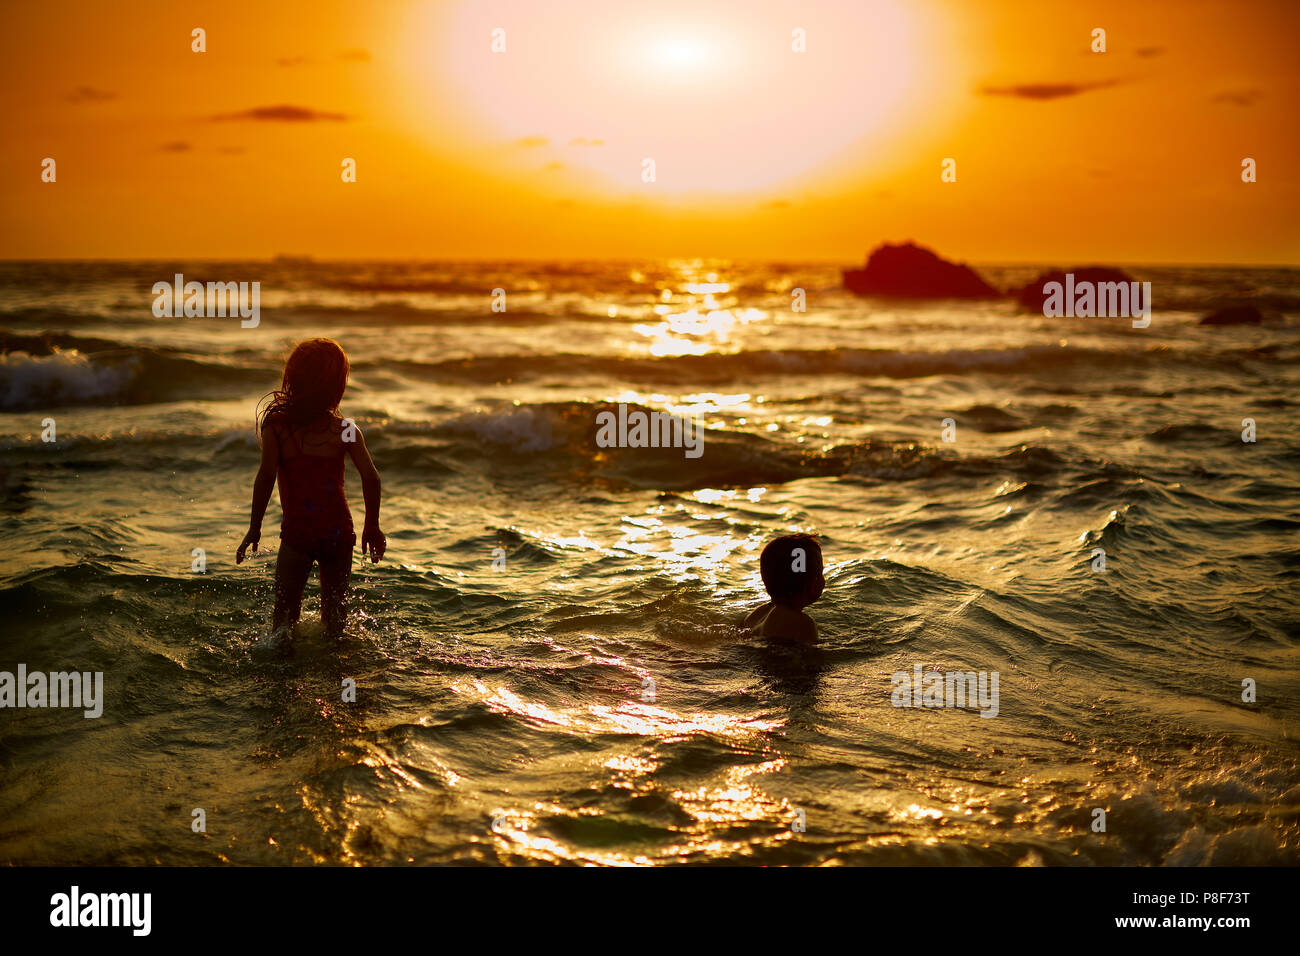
x=791 y=566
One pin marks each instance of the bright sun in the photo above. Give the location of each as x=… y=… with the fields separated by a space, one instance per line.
x=724 y=97
x=679 y=53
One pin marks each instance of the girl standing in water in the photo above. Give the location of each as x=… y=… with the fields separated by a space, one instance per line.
x=304 y=441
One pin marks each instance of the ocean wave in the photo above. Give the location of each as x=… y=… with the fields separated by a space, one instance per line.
x=404 y=313
x=560 y=437
x=531 y=442
x=66 y=377
x=444 y=286
x=990 y=418
x=738 y=366
x=45 y=317
x=45 y=343
x=63 y=378
x=1192 y=432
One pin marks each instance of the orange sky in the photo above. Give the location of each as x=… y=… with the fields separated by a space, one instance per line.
x=1062 y=155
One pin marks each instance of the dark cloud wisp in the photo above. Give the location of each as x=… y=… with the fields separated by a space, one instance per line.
x=88 y=94
x=283 y=113
x=1046 y=91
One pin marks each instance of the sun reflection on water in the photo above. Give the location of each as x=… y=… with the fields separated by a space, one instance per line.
x=700 y=324
x=627 y=717
x=560 y=832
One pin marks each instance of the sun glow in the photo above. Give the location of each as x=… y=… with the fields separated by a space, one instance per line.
x=679 y=54
x=717 y=95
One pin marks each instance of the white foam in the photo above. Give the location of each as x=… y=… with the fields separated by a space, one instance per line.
x=27 y=380
x=523 y=429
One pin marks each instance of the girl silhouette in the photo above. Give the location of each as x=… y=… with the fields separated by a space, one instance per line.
x=304 y=439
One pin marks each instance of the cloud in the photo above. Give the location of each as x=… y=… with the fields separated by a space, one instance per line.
x=293 y=61
x=355 y=56
x=1240 y=97
x=1046 y=91
x=583 y=141
x=777 y=204
x=553 y=167
x=88 y=94
x=282 y=114
x=529 y=142
x=1149 y=51
x=176 y=146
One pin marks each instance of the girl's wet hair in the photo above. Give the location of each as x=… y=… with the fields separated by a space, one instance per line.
x=315 y=375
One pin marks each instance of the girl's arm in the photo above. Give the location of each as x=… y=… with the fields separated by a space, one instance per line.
x=373 y=541
x=262 y=486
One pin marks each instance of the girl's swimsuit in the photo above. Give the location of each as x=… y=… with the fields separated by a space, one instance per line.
x=317 y=520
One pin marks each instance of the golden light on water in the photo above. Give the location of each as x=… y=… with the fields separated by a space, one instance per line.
x=697 y=318
x=737 y=798
x=710 y=287
x=917 y=812
x=696 y=403
x=629 y=764
x=710 y=496
x=629 y=717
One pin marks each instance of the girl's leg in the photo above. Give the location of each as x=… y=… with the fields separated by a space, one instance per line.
x=335 y=573
x=291 y=570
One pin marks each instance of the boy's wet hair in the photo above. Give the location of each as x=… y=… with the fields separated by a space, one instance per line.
x=777 y=564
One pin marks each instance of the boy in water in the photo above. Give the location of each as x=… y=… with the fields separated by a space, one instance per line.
x=791 y=566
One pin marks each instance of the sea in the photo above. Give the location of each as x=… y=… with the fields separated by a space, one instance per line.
x=548 y=665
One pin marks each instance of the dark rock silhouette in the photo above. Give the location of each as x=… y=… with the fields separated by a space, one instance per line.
x=909 y=271
x=1234 y=315
x=1032 y=296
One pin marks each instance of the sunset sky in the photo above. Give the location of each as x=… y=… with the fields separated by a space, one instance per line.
x=1062 y=154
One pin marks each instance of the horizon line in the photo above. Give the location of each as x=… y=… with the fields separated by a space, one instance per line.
x=285 y=258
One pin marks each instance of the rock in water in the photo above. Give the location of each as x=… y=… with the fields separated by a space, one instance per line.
x=1032 y=296
x=910 y=271
x=1234 y=315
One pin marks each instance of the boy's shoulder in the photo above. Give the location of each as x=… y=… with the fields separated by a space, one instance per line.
x=755 y=616
x=772 y=620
